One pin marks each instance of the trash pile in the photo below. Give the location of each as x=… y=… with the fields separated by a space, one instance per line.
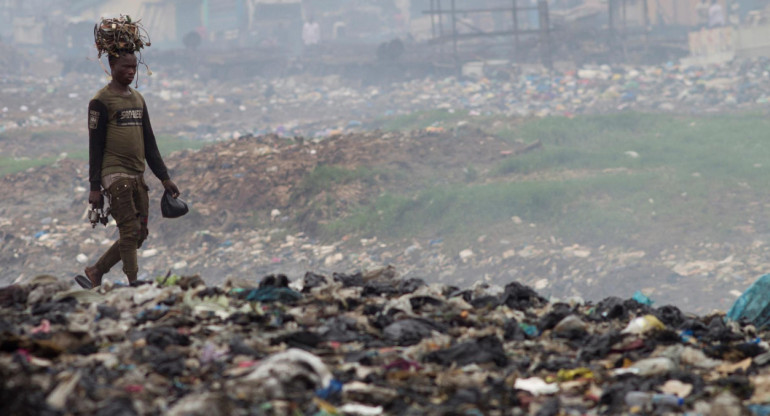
x=198 y=107
x=364 y=344
x=313 y=107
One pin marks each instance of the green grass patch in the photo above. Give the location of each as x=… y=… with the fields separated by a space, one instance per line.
x=720 y=148
x=50 y=140
x=626 y=178
x=14 y=165
x=453 y=211
x=617 y=208
x=168 y=144
x=325 y=177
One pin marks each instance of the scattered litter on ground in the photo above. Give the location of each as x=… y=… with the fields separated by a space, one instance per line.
x=335 y=347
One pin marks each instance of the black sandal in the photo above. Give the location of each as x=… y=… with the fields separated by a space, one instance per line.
x=84 y=282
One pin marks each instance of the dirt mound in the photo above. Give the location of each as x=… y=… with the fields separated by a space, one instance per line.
x=270 y=172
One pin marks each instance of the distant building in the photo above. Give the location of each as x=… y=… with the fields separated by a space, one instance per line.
x=677 y=12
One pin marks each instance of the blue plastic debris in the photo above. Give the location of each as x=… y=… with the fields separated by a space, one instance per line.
x=528 y=329
x=628 y=96
x=642 y=298
x=754 y=304
x=759 y=409
x=436 y=242
x=273 y=294
x=334 y=388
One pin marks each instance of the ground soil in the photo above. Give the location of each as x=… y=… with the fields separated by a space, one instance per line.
x=237 y=187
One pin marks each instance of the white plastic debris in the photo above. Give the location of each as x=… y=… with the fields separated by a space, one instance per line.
x=277 y=374
x=535 y=385
x=648 y=367
x=58 y=397
x=333 y=259
x=207 y=404
x=360 y=409
x=466 y=255
x=676 y=387
x=145 y=293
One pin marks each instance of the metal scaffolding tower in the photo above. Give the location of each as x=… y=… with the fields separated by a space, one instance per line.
x=446 y=20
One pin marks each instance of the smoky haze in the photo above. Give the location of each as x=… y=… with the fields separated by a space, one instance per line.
x=585 y=148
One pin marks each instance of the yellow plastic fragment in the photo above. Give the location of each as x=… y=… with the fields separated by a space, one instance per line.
x=643 y=324
x=575 y=373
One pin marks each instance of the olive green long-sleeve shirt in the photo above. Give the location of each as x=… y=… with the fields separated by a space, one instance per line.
x=121 y=137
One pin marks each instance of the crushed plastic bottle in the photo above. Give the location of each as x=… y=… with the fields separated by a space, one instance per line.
x=648 y=367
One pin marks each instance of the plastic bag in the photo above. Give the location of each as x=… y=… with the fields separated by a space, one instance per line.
x=753 y=304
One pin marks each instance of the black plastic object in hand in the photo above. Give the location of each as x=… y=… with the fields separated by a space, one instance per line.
x=172 y=207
